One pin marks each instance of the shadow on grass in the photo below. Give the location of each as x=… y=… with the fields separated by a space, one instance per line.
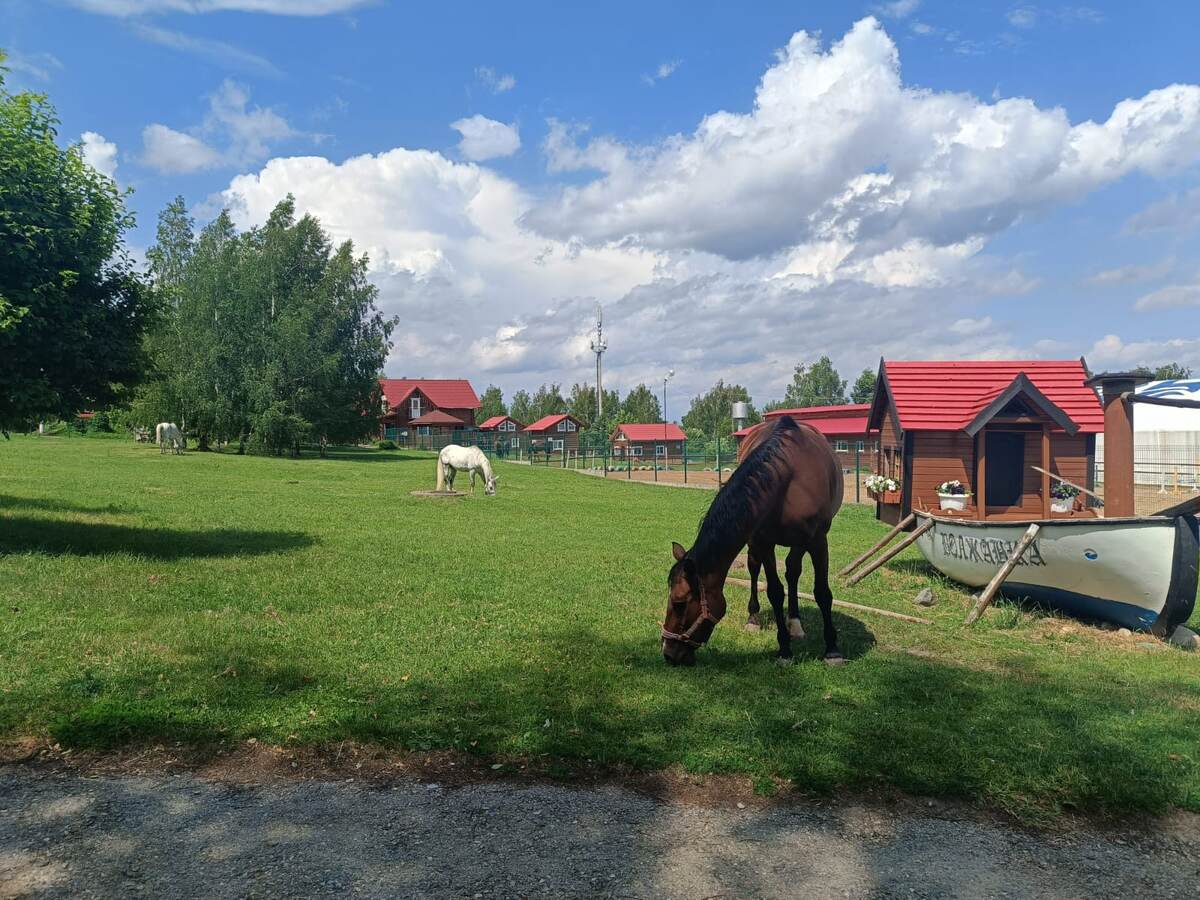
x=358 y=455
x=1032 y=739
x=8 y=501
x=20 y=534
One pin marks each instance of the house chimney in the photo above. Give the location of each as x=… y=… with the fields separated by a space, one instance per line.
x=1118 y=439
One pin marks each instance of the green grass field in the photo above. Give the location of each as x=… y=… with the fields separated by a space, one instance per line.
x=211 y=597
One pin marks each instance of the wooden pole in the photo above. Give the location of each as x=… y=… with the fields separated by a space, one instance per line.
x=883 y=542
x=989 y=592
x=895 y=551
x=1045 y=472
x=845 y=604
x=1059 y=478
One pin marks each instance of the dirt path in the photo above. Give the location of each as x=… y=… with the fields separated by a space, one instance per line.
x=66 y=834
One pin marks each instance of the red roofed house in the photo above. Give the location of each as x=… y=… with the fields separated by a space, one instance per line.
x=505 y=429
x=426 y=407
x=844 y=426
x=987 y=424
x=554 y=434
x=661 y=440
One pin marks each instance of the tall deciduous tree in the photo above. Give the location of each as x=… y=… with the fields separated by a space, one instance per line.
x=72 y=309
x=711 y=414
x=815 y=385
x=1166 y=372
x=641 y=406
x=864 y=387
x=521 y=408
x=492 y=403
x=272 y=334
x=547 y=401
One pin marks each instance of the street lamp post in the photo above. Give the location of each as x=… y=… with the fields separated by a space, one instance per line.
x=670 y=374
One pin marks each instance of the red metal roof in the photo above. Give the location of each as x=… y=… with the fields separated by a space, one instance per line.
x=947 y=396
x=437 y=417
x=491 y=423
x=550 y=421
x=444 y=393
x=660 y=431
x=849 y=418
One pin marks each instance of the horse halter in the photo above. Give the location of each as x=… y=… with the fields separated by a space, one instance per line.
x=705 y=616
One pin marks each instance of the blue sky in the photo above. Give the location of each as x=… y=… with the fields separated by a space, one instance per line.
x=743 y=188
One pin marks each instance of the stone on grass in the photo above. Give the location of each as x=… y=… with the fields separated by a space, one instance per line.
x=925 y=598
x=1186 y=638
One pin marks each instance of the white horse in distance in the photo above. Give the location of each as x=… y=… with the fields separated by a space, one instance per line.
x=168 y=434
x=453 y=457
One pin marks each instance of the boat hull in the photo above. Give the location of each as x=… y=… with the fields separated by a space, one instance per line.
x=1138 y=572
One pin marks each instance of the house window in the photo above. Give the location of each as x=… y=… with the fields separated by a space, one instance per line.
x=841 y=446
x=861 y=446
x=635 y=451
x=556 y=444
x=570 y=425
x=660 y=450
x=1004 y=471
x=414 y=407
x=510 y=426
x=514 y=442
x=562 y=426
x=423 y=429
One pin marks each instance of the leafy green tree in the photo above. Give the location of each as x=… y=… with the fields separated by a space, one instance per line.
x=271 y=335
x=547 y=401
x=492 y=403
x=864 y=387
x=1166 y=372
x=815 y=385
x=772 y=405
x=72 y=309
x=641 y=406
x=582 y=403
x=521 y=408
x=711 y=414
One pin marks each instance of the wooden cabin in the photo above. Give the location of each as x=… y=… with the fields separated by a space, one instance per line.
x=408 y=403
x=987 y=424
x=554 y=434
x=844 y=426
x=505 y=433
x=645 y=442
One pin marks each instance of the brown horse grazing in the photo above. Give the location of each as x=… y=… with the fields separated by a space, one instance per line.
x=786 y=492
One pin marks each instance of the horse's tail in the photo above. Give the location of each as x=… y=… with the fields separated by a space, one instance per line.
x=441 y=474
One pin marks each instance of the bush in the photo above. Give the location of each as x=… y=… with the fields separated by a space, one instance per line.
x=386 y=445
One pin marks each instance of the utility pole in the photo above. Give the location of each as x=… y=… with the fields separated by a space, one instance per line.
x=598 y=347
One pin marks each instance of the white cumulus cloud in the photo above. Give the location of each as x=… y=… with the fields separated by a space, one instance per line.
x=99 y=153
x=484 y=138
x=1173 y=296
x=176 y=153
x=837 y=147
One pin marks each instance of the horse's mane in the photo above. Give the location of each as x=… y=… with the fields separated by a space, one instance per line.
x=729 y=518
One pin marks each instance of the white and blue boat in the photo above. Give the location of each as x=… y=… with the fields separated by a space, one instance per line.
x=1138 y=572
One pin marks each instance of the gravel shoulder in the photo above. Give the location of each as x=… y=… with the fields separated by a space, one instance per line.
x=82 y=833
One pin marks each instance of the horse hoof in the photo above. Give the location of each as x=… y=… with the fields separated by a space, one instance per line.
x=795 y=629
x=753 y=626
x=783 y=661
x=834 y=659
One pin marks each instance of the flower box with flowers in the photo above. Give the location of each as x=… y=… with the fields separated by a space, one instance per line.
x=882 y=488
x=953 y=495
x=1062 y=497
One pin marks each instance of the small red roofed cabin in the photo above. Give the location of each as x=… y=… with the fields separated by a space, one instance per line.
x=658 y=441
x=986 y=424
x=505 y=431
x=554 y=434
x=418 y=409
x=844 y=426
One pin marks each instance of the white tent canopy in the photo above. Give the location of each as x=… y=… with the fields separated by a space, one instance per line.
x=1168 y=418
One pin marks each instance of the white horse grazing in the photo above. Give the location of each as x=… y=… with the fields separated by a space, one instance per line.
x=453 y=457
x=168 y=433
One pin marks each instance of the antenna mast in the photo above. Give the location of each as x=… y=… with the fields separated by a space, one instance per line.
x=598 y=347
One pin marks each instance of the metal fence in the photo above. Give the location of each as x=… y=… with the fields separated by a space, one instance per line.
x=706 y=463
x=1166 y=468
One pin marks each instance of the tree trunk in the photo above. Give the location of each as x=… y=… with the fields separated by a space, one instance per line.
x=202 y=443
x=241 y=444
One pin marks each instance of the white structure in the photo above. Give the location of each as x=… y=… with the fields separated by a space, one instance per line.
x=1166 y=439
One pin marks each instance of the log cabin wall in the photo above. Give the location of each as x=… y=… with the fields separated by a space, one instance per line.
x=941 y=456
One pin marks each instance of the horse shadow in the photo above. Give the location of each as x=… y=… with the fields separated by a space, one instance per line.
x=21 y=534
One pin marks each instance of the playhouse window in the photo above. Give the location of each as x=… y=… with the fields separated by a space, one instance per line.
x=1004 y=470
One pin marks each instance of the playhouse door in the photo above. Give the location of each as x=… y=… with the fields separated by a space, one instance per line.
x=1005 y=470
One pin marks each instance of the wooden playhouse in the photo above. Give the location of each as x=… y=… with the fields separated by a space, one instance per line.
x=991 y=425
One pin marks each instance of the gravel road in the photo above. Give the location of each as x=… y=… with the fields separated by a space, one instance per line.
x=64 y=834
